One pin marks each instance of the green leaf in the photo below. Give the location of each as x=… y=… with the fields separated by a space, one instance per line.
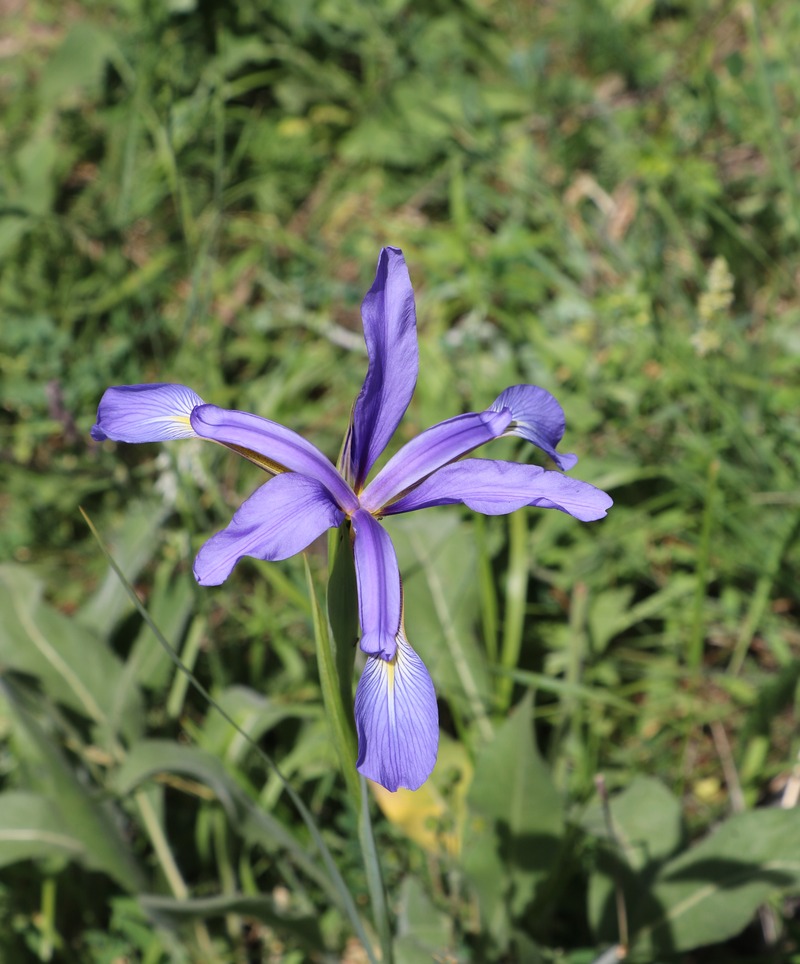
x=648 y=827
x=711 y=892
x=96 y=826
x=303 y=928
x=77 y=64
x=424 y=933
x=255 y=714
x=342 y=600
x=30 y=829
x=74 y=666
x=513 y=795
x=149 y=758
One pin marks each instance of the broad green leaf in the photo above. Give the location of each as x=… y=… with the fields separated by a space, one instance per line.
x=512 y=784
x=712 y=891
x=513 y=794
x=78 y=63
x=74 y=666
x=30 y=829
x=648 y=826
x=424 y=933
x=95 y=825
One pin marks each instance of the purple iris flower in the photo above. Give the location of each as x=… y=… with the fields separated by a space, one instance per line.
x=395 y=705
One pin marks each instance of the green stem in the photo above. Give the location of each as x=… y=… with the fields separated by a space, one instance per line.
x=375 y=885
x=697 y=637
x=487 y=590
x=48 y=918
x=516 y=599
x=340 y=717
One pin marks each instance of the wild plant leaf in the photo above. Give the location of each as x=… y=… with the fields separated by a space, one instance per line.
x=648 y=829
x=94 y=824
x=302 y=927
x=78 y=63
x=424 y=932
x=711 y=892
x=149 y=759
x=73 y=665
x=255 y=713
x=513 y=794
x=31 y=829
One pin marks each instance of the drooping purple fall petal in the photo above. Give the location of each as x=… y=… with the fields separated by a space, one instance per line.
x=379 y=593
x=281 y=518
x=145 y=413
x=429 y=451
x=397 y=720
x=390 y=331
x=272 y=446
x=495 y=487
x=537 y=417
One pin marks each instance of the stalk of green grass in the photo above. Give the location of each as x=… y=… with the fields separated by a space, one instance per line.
x=694 y=651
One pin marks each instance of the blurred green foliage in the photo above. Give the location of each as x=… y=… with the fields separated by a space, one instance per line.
x=597 y=197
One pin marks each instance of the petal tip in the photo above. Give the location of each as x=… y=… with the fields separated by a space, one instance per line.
x=397 y=719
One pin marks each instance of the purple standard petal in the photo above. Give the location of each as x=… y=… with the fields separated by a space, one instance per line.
x=379 y=594
x=537 y=417
x=429 y=451
x=279 y=519
x=397 y=720
x=271 y=446
x=496 y=487
x=145 y=413
x=390 y=331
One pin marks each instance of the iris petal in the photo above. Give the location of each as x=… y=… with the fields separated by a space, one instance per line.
x=429 y=451
x=537 y=417
x=145 y=413
x=272 y=446
x=494 y=487
x=390 y=331
x=397 y=720
x=379 y=594
x=279 y=519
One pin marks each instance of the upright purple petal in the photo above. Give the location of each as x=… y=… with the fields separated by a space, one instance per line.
x=537 y=417
x=145 y=413
x=497 y=487
x=429 y=451
x=279 y=519
x=272 y=446
x=390 y=331
x=379 y=593
x=397 y=720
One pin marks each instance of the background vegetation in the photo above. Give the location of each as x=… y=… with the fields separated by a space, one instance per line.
x=597 y=196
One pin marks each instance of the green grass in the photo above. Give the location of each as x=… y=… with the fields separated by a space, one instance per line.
x=599 y=198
